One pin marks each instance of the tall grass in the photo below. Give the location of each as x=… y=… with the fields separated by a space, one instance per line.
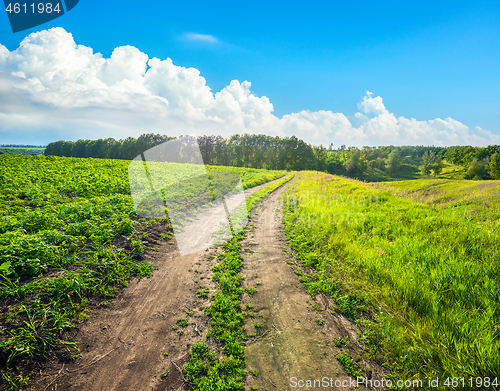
x=432 y=279
x=477 y=200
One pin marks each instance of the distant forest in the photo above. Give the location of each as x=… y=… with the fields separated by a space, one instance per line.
x=291 y=153
x=20 y=149
x=254 y=151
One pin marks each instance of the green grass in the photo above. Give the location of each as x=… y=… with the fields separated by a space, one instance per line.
x=352 y=368
x=473 y=200
x=428 y=280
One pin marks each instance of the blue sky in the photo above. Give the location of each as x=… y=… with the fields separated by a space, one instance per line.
x=426 y=59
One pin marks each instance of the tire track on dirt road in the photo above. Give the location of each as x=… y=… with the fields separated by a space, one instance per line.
x=290 y=343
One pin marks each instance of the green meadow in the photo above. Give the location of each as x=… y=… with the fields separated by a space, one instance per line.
x=414 y=263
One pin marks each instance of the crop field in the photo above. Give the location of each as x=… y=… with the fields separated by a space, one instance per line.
x=415 y=263
x=70 y=237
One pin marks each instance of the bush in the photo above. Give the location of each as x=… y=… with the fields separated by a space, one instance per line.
x=477 y=169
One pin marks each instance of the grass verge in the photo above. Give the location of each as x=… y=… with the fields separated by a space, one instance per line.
x=430 y=281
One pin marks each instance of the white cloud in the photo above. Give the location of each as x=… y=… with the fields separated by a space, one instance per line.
x=51 y=88
x=200 y=37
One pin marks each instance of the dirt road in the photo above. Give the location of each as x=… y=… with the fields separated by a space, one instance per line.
x=291 y=345
x=137 y=343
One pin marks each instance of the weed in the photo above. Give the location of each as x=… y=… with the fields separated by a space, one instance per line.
x=339 y=342
x=250 y=290
x=254 y=372
x=320 y=321
x=164 y=374
x=350 y=366
x=14 y=382
x=183 y=322
x=203 y=292
x=69 y=356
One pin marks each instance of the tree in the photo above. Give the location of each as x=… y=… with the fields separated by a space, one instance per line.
x=54 y=149
x=79 y=148
x=427 y=160
x=66 y=148
x=477 y=169
x=437 y=166
x=351 y=165
x=495 y=166
x=354 y=164
x=394 y=161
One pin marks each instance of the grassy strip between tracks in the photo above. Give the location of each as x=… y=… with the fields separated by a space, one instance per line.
x=205 y=371
x=430 y=282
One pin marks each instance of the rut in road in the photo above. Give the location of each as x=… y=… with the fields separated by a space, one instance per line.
x=290 y=344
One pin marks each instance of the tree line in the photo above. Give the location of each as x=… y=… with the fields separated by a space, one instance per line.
x=291 y=153
x=253 y=151
x=476 y=162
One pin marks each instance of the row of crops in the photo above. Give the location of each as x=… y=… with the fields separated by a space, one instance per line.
x=69 y=233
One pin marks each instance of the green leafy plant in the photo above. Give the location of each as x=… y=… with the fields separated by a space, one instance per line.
x=339 y=342
x=182 y=321
x=350 y=366
x=250 y=290
x=165 y=374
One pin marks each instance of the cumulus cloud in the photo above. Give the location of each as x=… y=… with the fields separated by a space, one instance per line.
x=51 y=88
